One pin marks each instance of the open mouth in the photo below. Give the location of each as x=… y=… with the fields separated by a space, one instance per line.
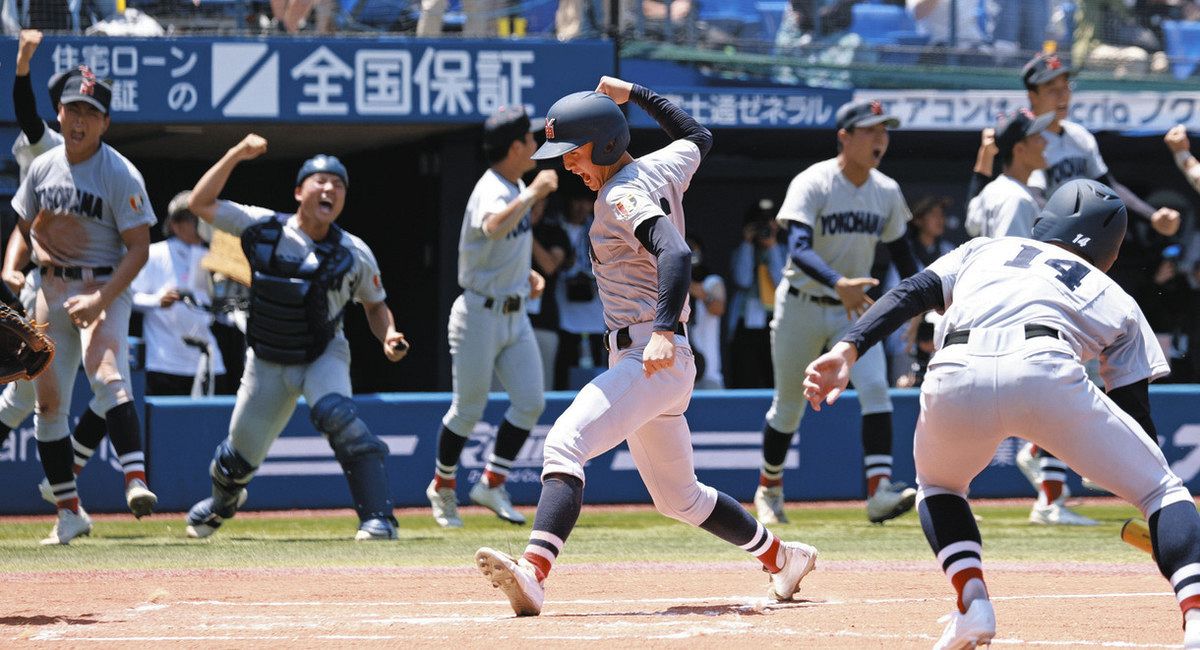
x=326 y=205
x=877 y=154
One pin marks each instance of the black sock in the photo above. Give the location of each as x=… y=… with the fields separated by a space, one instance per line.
x=450 y=446
x=125 y=432
x=954 y=537
x=557 y=511
x=57 y=458
x=730 y=521
x=509 y=440
x=877 y=445
x=1174 y=531
x=775 y=448
x=88 y=435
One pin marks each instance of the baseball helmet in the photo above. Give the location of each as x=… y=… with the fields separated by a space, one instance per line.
x=323 y=163
x=583 y=117
x=1087 y=217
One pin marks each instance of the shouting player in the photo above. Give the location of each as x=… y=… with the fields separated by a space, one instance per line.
x=642 y=266
x=835 y=212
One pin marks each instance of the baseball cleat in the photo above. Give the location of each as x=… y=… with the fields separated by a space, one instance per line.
x=497 y=500
x=798 y=561
x=46 y=492
x=768 y=501
x=140 y=499
x=444 y=505
x=377 y=529
x=516 y=579
x=1057 y=514
x=1030 y=465
x=70 y=525
x=203 y=522
x=890 y=501
x=970 y=630
x=1191 y=635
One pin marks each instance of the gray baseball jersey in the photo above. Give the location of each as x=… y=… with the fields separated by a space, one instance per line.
x=78 y=212
x=498 y=267
x=362 y=284
x=847 y=220
x=1005 y=208
x=1069 y=155
x=1058 y=289
x=626 y=273
x=25 y=151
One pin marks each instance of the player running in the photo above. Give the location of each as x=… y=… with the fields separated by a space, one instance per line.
x=642 y=266
x=1021 y=318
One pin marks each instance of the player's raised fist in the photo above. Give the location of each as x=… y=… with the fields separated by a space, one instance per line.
x=27 y=43
x=1165 y=221
x=545 y=182
x=252 y=146
x=615 y=88
x=988 y=141
x=1177 y=139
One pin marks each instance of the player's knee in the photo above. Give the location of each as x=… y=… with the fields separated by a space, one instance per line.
x=785 y=417
x=229 y=469
x=336 y=417
x=463 y=416
x=106 y=395
x=873 y=397
x=691 y=505
x=525 y=414
x=561 y=456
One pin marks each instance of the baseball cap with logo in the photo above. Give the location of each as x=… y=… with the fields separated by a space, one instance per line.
x=868 y=113
x=1043 y=68
x=1014 y=127
x=81 y=85
x=507 y=124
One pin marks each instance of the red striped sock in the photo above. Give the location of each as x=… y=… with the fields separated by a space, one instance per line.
x=69 y=504
x=1052 y=490
x=541 y=565
x=136 y=474
x=769 y=482
x=439 y=482
x=770 y=557
x=1191 y=602
x=493 y=479
x=960 y=579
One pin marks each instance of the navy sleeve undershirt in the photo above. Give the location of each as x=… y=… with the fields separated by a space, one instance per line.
x=806 y=259
x=25 y=107
x=902 y=257
x=1134 y=399
x=674 y=120
x=663 y=240
x=914 y=295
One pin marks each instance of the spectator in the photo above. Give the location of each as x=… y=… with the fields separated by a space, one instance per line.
x=482 y=17
x=1169 y=304
x=172 y=292
x=581 y=317
x=1108 y=36
x=292 y=15
x=704 y=331
x=933 y=18
x=757 y=268
x=551 y=253
x=1177 y=141
x=1021 y=24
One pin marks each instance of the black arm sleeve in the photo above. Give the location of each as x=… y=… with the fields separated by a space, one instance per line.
x=674 y=120
x=806 y=259
x=663 y=240
x=978 y=182
x=914 y=295
x=1132 y=201
x=902 y=257
x=1134 y=399
x=25 y=107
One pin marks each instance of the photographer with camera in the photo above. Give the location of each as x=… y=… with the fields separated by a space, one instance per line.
x=172 y=292
x=581 y=317
x=756 y=269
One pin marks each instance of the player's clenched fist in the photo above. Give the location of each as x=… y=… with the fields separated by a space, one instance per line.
x=537 y=284
x=617 y=89
x=84 y=308
x=395 y=346
x=252 y=146
x=545 y=183
x=1177 y=139
x=1165 y=221
x=27 y=43
x=659 y=353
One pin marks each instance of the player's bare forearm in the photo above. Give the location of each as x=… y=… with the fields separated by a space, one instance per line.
x=548 y=259
x=499 y=224
x=137 y=244
x=203 y=201
x=16 y=252
x=380 y=319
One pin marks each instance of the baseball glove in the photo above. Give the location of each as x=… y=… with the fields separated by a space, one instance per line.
x=25 y=351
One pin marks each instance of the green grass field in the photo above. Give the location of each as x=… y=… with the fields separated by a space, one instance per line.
x=603 y=535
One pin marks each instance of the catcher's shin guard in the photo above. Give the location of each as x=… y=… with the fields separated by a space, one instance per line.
x=360 y=453
x=230 y=473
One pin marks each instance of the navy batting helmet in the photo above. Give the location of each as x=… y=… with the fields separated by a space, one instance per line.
x=323 y=163
x=580 y=118
x=1086 y=216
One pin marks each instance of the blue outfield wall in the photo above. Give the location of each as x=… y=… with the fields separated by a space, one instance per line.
x=301 y=472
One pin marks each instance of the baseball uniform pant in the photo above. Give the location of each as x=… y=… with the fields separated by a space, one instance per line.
x=268 y=394
x=647 y=412
x=485 y=340
x=999 y=384
x=103 y=347
x=800 y=331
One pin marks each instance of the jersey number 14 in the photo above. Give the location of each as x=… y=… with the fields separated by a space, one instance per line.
x=1070 y=273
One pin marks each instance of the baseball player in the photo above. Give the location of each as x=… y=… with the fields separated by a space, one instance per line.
x=1177 y=141
x=85 y=210
x=35 y=138
x=1021 y=318
x=642 y=267
x=305 y=271
x=835 y=213
x=489 y=329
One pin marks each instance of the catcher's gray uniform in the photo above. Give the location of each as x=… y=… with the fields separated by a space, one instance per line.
x=1069 y=155
x=489 y=329
x=1005 y=208
x=847 y=223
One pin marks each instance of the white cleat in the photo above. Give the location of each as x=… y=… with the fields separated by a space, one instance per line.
x=516 y=579
x=768 y=502
x=1030 y=465
x=1057 y=514
x=890 y=501
x=70 y=525
x=1191 y=635
x=976 y=627
x=798 y=561
x=497 y=500
x=46 y=492
x=445 y=506
x=140 y=499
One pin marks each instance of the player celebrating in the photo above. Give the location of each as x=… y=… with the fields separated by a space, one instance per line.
x=643 y=274
x=835 y=212
x=305 y=271
x=1006 y=207
x=489 y=329
x=85 y=210
x=1021 y=317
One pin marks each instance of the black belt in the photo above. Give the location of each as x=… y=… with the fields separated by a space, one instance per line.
x=75 y=272
x=511 y=304
x=624 y=340
x=820 y=300
x=1031 y=332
